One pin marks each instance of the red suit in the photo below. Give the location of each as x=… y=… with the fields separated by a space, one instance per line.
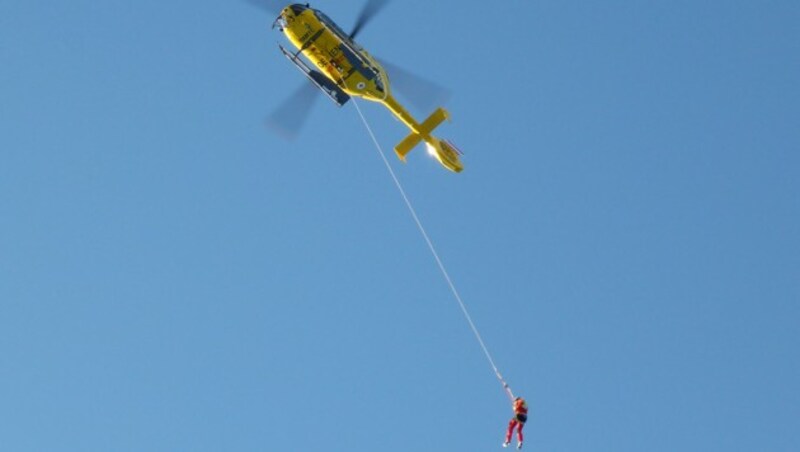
x=519 y=419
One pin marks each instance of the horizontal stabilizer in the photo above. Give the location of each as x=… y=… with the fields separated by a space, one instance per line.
x=434 y=120
x=425 y=129
x=408 y=143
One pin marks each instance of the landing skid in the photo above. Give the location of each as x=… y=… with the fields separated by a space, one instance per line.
x=336 y=94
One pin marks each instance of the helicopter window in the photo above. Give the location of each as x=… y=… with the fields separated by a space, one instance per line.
x=331 y=24
x=280 y=22
x=297 y=9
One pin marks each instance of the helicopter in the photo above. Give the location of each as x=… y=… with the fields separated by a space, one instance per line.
x=341 y=69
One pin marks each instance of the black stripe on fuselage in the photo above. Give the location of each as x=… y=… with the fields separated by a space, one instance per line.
x=313 y=38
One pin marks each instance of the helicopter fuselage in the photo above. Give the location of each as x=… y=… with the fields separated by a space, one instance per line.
x=355 y=72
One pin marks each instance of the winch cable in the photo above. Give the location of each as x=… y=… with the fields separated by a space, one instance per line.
x=434 y=252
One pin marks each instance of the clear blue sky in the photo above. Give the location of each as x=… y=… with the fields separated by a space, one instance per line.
x=626 y=233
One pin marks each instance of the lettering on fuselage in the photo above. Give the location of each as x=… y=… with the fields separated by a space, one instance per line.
x=307 y=41
x=307 y=34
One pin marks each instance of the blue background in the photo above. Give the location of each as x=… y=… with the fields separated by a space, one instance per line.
x=626 y=233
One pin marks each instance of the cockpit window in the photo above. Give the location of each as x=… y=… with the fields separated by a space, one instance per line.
x=298 y=9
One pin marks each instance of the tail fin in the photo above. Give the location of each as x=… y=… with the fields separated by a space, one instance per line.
x=444 y=152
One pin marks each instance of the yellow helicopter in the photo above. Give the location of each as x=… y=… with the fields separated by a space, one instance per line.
x=341 y=68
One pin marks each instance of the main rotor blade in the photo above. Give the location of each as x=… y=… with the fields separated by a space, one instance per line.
x=289 y=117
x=271 y=6
x=370 y=9
x=420 y=92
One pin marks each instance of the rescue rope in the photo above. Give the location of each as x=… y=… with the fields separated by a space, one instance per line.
x=434 y=252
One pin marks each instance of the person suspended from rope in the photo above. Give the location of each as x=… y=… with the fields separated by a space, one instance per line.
x=520 y=408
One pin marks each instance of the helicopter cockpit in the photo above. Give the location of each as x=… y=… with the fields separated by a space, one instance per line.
x=296 y=9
